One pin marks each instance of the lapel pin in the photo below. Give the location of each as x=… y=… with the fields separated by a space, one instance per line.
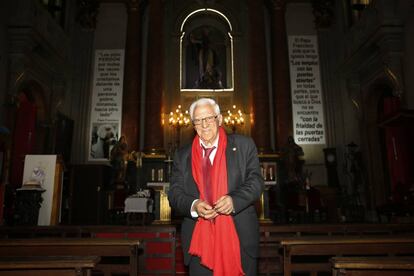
x=234 y=149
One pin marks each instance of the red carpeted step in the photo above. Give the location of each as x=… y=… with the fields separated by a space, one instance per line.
x=158 y=255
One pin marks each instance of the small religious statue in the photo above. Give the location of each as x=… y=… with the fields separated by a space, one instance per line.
x=354 y=172
x=354 y=186
x=292 y=155
x=118 y=159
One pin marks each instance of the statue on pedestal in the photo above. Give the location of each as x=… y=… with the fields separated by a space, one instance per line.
x=353 y=192
x=292 y=156
x=118 y=159
x=290 y=179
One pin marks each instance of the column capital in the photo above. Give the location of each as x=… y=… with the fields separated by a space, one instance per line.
x=278 y=5
x=131 y=99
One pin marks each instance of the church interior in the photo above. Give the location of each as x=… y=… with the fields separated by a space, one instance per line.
x=94 y=99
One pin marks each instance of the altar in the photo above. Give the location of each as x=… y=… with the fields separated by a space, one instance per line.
x=162 y=206
x=139 y=207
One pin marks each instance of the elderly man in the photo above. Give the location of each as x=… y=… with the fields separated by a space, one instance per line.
x=214 y=184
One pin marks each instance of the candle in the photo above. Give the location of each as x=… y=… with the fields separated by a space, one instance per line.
x=271 y=173
x=160 y=175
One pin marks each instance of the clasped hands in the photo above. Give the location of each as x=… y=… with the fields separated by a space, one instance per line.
x=223 y=206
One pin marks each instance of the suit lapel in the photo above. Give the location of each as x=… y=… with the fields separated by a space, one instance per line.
x=192 y=186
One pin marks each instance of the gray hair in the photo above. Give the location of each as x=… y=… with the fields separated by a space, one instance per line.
x=204 y=101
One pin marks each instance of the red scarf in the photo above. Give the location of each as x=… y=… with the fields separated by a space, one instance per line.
x=217 y=244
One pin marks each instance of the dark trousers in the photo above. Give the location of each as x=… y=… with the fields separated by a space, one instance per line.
x=249 y=266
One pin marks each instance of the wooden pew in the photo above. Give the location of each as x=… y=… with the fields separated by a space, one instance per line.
x=271 y=253
x=48 y=265
x=321 y=247
x=367 y=266
x=77 y=247
x=157 y=241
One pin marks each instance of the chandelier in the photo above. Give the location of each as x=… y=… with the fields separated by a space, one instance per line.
x=179 y=118
x=234 y=118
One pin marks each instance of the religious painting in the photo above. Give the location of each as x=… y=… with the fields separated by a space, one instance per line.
x=206 y=59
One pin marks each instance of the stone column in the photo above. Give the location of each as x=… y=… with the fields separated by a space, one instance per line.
x=82 y=78
x=131 y=100
x=281 y=81
x=258 y=85
x=153 y=131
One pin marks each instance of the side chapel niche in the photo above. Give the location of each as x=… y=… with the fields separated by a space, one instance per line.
x=206 y=52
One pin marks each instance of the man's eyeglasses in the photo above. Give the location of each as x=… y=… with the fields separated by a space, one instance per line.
x=208 y=120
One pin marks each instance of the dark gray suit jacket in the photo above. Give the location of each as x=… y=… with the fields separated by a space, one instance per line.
x=245 y=185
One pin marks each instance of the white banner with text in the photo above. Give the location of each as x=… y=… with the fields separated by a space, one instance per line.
x=106 y=107
x=306 y=91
